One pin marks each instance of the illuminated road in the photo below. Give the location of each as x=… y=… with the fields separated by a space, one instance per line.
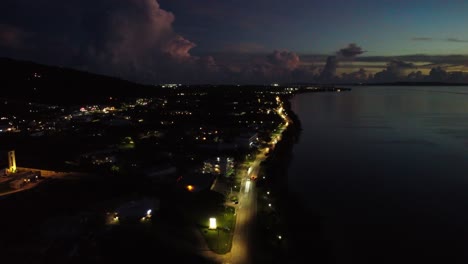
x=247 y=209
x=246 y=213
x=245 y=218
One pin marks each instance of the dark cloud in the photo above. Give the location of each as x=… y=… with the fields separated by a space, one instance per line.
x=329 y=71
x=438 y=74
x=437 y=59
x=446 y=39
x=358 y=76
x=352 y=50
x=395 y=71
x=456 y=40
x=422 y=39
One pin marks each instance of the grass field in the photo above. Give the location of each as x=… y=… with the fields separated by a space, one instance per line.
x=220 y=240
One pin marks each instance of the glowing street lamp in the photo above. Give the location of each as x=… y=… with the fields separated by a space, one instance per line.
x=213 y=223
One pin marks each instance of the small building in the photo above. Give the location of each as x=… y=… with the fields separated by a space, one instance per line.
x=218 y=166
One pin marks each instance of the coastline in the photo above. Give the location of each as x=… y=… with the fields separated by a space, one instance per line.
x=282 y=230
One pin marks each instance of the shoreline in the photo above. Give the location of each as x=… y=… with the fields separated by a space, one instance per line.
x=294 y=223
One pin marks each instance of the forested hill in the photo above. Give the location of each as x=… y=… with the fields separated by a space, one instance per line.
x=36 y=82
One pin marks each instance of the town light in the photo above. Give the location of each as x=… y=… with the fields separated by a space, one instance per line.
x=213 y=223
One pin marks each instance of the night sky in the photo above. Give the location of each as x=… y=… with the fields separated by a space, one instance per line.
x=255 y=41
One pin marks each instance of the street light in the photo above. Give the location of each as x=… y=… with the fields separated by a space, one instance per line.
x=213 y=226
x=212 y=223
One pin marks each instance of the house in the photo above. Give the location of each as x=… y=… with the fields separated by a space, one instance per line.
x=218 y=166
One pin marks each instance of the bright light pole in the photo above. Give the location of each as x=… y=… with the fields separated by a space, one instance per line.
x=212 y=223
x=214 y=226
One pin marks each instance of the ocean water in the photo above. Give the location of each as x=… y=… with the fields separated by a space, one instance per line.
x=384 y=170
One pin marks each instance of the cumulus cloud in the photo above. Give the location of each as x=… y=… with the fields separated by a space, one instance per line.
x=128 y=38
x=395 y=71
x=352 y=50
x=284 y=59
x=358 y=76
x=329 y=71
x=281 y=66
x=179 y=48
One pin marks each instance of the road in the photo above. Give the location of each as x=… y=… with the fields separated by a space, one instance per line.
x=247 y=208
x=246 y=213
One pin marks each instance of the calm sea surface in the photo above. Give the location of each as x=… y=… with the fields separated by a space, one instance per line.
x=385 y=171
